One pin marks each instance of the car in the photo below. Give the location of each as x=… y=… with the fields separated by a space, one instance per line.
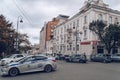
x=115 y=57
x=11 y=58
x=59 y=57
x=106 y=58
x=77 y=58
x=32 y=63
x=66 y=57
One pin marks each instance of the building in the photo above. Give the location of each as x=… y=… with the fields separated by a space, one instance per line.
x=42 y=46
x=74 y=37
x=46 y=34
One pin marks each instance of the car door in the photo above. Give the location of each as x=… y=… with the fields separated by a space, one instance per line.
x=27 y=65
x=77 y=58
x=36 y=63
x=40 y=62
x=98 y=57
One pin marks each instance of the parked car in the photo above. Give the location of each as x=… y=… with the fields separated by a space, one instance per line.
x=12 y=58
x=100 y=58
x=30 y=63
x=115 y=57
x=77 y=58
x=66 y=57
x=59 y=57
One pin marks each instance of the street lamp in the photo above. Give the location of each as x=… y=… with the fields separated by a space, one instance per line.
x=19 y=20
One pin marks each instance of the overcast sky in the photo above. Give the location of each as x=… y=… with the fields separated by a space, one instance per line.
x=36 y=12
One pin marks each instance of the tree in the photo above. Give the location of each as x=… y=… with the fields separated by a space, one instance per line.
x=8 y=37
x=24 y=44
x=108 y=35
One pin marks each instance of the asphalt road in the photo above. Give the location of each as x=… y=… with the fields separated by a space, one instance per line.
x=75 y=71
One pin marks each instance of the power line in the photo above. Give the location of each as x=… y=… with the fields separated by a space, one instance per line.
x=23 y=12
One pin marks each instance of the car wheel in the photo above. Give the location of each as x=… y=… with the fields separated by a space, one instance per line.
x=48 y=68
x=13 y=72
x=84 y=61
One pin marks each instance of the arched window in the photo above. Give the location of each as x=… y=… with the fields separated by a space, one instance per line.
x=100 y=17
x=110 y=19
x=85 y=34
x=116 y=20
x=85 y=19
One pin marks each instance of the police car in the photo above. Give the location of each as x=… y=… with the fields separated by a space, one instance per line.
x=30 y=63
x=12 y=58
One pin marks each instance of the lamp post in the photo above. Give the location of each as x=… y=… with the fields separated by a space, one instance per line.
x=19 y=20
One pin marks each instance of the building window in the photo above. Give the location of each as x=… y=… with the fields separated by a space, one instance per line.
x=100 y=49
x=85 y=34
x=73 y=25
x=70 y=25
x=64 y=48
x=77 y=47
x=64 y=28
x=73 y=48
x=61 y=47
x=110 y=19
x=77 y=23
x=58 y=48
x=100 y=17
x=116 y=20
x=67 y=47
x=61 y=30
x=85 y=19
x=70 y=47
x=58 y=32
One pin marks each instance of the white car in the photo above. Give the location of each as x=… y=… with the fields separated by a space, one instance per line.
x=30 y=63
x=11 y=58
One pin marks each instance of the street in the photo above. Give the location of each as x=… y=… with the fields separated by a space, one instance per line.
x=75 y=71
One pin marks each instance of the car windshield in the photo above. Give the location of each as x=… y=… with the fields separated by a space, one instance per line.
x=9 y=56
x=20 y=59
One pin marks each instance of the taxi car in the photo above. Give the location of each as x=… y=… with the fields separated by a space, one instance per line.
x=31 y=63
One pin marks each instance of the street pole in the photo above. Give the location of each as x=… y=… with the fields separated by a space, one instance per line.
x=19 y=19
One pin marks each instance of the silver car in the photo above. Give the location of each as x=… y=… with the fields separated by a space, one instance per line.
x=31 y=63
x=12 y=58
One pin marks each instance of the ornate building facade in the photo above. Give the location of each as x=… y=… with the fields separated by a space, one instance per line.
x=74 y=37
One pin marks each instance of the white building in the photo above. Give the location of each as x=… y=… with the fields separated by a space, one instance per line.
x=86 y=41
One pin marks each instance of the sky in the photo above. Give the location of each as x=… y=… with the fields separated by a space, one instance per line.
x=35 y=12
